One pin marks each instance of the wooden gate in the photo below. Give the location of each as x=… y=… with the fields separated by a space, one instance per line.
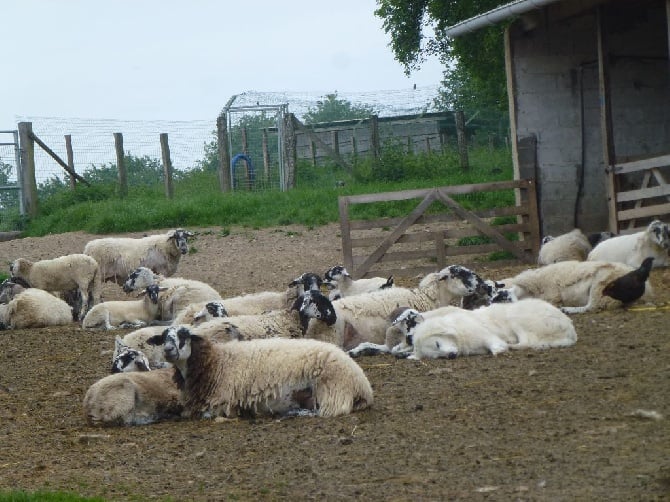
x=439 y=229
x=643 y=192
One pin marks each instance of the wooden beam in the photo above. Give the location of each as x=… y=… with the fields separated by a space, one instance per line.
x=60 y=161
x=322 y=144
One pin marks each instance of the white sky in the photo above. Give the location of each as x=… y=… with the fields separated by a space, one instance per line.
x=183 y=59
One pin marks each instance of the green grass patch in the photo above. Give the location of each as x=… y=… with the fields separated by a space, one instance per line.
x=43 y=496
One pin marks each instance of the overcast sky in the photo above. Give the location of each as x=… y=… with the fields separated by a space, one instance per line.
x=182 y=60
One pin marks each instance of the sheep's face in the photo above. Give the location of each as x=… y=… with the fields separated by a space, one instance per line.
x=19 y=267
x=660 y=233
x=460 y=281
x=139 y=278
x=307 y=282
x=211 y=310
x=407 y=321
x=336 y=273
x=311 y=308
x=180 y=237
x=130 y=360
x=547 y=238
x=176 y=344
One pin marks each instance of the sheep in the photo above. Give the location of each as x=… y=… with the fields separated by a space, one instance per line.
x=596 y=238
x=350 y=321
x=137 y=341
x=128 y=313
x=118 y=256
x=73 y=271
x=576 y=286
x=34 y=308
x=573 y=245
x=263 y=376
x=9 y=288
x=133 y=398
x=283 y=323
x=341 y=284
x=632 y=249
x=126 y=358
x=180 y=292
x=198 y=312
x=529 y=323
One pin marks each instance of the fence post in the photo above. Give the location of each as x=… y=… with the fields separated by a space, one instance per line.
x=70 y=159
x=224 y=152
x=266 y=155
x=289 y=150
x=121 y=164
x=167 y=165
x=374 y=138
x=28 y=182
x=462 y=139
x=336 y=141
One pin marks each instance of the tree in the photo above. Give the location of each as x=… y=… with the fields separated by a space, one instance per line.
x=474 y=76
x=331 y=108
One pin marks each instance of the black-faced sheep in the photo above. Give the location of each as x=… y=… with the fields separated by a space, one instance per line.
x=126 y=358
x=34 y=308
x=571 y=246
x=632 y=249
x=341 y=284
x=526 y=324
x=133 y=398
x=575 y=286
x=258 y=376
x=125 y=313
x=62 y=274
x=118 y=256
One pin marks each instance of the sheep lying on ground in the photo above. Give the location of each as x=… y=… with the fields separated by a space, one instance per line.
x=341 y=284
x=529 y=323
x=134 y=398
x=196 y=313
x=263 y=376
x=118 y=256
x=349 y=321
x=128 y=313
x=275 y=323
x=74 y=271
x=126 y=358
x=632 y=249
x=575 y=286
x=34 y=308
x=571 y=246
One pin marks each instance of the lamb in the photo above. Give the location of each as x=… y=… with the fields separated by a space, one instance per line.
x=34 y=308
x=128 y=359
x=263 y=376
x=632 y=249
x=529 y=323
x=133 y=398
x=180 y=292
x=571 y=246
x=350 y=321
x=576 y=286
x=74 y=271
x=128 y=313
x=341 y=284
x=118 y=256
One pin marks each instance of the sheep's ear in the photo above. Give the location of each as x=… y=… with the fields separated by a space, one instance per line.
x=118 y=344
x=156 y=340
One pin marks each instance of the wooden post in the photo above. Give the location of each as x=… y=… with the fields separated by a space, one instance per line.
x=167 y=165
x=121 y=164
x=28 y=182
x=354 y=145
x=427 y=144
x=462 y=140
x=409 y=145
x=245 y=151
x=374 y=138
x=266 y=156
x=312 y=152
x=289 y=147
x=70 y=159
x=335 y=137
x=224 y=152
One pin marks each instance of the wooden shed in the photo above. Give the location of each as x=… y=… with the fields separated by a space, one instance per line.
x=589 y=100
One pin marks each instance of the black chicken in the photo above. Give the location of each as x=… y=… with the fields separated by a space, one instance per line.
x=629 y=287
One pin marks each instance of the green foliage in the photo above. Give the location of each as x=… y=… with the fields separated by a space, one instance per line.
x=331 y=108
x=43 y=496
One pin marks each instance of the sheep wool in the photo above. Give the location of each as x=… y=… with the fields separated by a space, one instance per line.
x=34 y=308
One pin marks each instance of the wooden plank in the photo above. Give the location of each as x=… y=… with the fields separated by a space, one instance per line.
x=643 y=193
x=345 y=232
x=644 y=212
x=483 y=227
x=337 y=158
x=640 y=165
x=60 y=161
x=395 y=234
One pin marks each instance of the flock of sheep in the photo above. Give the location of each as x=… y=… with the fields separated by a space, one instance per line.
x=194 y=353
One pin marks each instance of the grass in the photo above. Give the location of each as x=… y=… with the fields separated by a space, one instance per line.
x=314 y=202
x=43 y=496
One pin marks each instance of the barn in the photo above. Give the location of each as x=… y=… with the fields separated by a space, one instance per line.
x=589 y=100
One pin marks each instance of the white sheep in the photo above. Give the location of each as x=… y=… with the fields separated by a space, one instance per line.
x=62 y=274
x=275 y=323
x=126 y=358
x=179 y=292
x=125 y=313
x=349 y=321
x=266 y=376
x=576 y=286
x=341 y=284
x=34 y=308
x=133 y=398
x=526 y=324
x=573 y=245
x=118 y=256
x=632 y=249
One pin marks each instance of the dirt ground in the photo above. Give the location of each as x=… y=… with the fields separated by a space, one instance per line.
x=589 y=422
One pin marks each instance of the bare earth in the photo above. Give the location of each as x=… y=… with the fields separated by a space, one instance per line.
x=563 y=424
